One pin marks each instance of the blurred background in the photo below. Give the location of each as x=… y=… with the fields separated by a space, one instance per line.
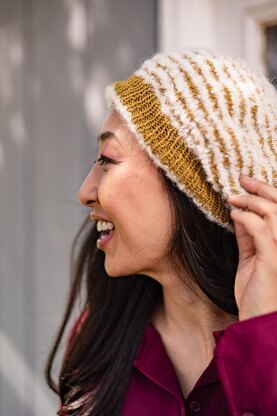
x=56 y=57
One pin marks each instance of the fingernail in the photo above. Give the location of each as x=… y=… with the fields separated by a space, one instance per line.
x=233 y=196
x=249 y=178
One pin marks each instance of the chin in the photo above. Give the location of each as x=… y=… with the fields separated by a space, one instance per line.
x=117 y=270
x=113 y=270
x=126 y=263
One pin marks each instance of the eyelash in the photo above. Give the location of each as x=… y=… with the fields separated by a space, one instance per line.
x=104 y=160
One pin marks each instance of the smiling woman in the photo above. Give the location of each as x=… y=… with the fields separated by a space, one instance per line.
x=179 y=261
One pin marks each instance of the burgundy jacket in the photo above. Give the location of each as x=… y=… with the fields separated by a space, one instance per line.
x=241 y=379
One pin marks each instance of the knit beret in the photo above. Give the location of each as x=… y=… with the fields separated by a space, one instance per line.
x=205 y=120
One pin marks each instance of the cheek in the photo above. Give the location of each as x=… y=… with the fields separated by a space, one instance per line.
x=107 y=191
x=137 y=204
x=149 y=230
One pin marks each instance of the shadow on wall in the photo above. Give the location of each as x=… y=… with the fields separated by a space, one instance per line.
x=56 y=59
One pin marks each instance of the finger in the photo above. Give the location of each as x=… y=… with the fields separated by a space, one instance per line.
x=245 y=241
x=257 y=204
x=263 y=189
x=257 y=228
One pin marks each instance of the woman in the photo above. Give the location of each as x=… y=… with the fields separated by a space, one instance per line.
x=179 y=264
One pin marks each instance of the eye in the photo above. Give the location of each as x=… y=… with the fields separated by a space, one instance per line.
x=104 y=160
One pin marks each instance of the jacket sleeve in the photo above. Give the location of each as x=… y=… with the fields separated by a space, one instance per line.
x=246 y=358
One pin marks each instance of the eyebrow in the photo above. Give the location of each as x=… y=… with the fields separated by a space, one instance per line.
x=107 y=135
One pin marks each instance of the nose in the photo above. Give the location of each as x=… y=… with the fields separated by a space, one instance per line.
x=88 y=195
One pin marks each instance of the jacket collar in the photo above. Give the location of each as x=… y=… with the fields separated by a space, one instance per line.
x=153 y=361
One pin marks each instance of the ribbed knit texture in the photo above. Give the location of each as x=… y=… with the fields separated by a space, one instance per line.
x=205 y=120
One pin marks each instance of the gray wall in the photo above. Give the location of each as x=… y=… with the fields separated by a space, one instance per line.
x=55 y=59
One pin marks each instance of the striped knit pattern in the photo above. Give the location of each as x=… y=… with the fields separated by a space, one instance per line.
x=205 y=120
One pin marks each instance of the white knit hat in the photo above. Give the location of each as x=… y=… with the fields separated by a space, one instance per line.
x=205 y=119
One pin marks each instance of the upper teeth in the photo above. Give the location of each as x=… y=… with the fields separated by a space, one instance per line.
x=104 y=225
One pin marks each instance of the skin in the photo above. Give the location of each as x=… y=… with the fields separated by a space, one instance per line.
x=130 y=194
x=255 y=223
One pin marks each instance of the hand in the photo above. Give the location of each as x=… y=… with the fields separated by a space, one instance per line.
x=255 y=225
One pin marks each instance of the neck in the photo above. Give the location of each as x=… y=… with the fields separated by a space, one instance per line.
x=186 y=322
x=189 y=316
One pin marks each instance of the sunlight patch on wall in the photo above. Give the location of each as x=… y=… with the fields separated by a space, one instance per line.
x=94 y=102
x=16 y=51
x=17 y=128
x=94 y=96
x=77 y=28
x=11 y=58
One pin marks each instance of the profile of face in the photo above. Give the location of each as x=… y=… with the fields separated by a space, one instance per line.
x=126 y=193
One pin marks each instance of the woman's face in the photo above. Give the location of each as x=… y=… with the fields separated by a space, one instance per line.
x=125 y=189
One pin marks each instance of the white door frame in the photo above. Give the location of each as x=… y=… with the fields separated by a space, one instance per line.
x=234 y=27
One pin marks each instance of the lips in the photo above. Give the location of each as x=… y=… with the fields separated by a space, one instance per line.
x=105 y=229
x=95 y=217
x=105 y=237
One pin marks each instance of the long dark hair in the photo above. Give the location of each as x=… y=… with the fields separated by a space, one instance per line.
x=98 y=361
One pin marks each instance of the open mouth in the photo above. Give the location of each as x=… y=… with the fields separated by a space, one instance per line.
x=106 y=232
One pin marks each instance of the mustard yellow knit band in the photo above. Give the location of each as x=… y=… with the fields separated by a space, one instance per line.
x=163 y=141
